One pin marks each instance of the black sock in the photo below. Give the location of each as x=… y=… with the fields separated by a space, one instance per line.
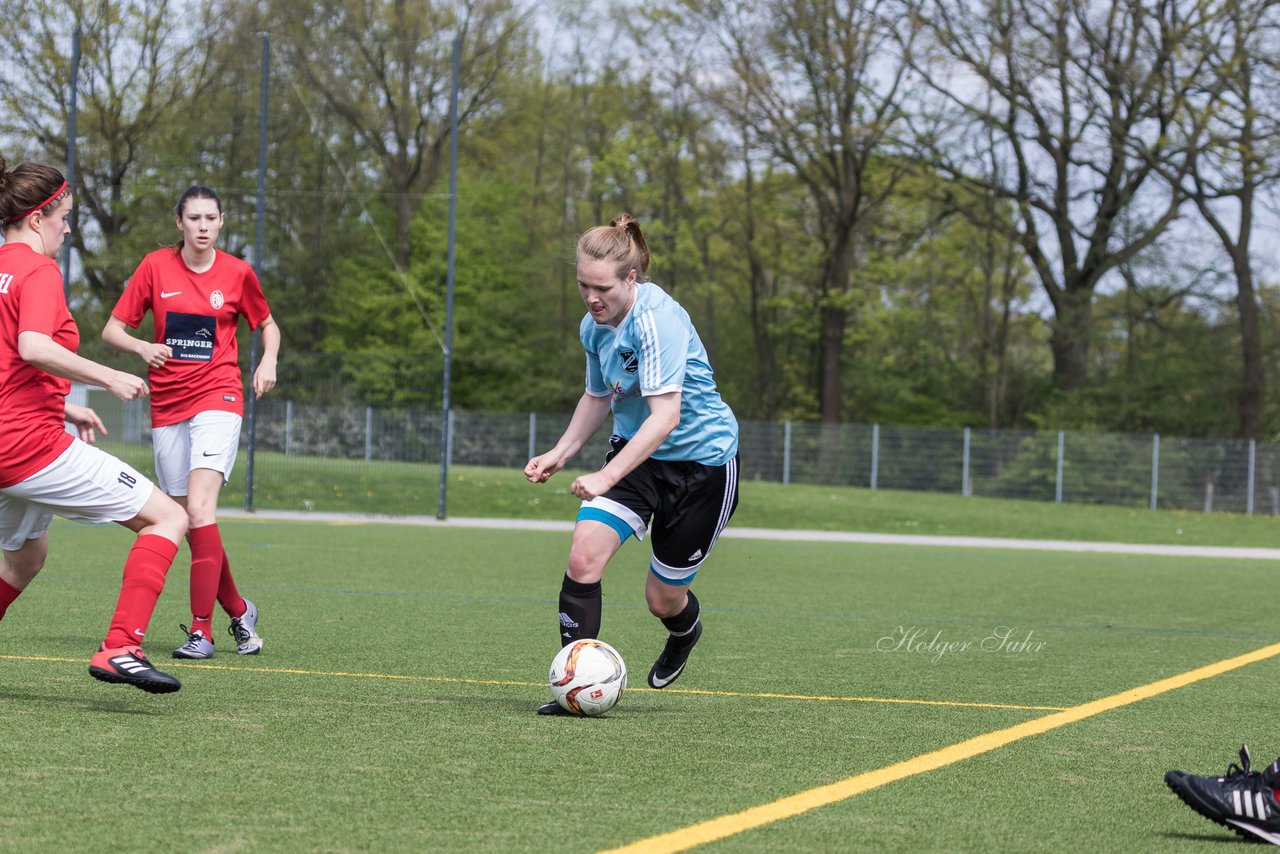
x=683 y=622
x=580 y=606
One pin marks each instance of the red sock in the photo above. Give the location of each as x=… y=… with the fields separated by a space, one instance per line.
x=7 y=594
x=144 y=571
x=228 y=596
x=206 y=560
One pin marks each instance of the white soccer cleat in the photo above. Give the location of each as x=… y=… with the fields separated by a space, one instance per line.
x=245 y=630
x=197 y=645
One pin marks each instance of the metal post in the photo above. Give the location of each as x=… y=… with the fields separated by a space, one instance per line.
x=448 y=449
x=446 y=437
x=966 y=488
x=288 y=427
x=73 y=111
x=786 y=451
x=368 y=433
x=875 y=454
x=1155 y=468
x=1057 y=488
x=1253 y=467
x=260 y=217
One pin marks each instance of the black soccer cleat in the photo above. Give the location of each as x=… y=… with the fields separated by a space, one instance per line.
x=1242 y=800
x=554 y=708
x=128 y=665
x=675 y=655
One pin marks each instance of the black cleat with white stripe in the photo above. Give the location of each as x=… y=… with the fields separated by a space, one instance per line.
x=128 y=665
x=675 y=655
x=1242 y=800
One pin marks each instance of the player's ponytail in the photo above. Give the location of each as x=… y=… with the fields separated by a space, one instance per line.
x=619 y=242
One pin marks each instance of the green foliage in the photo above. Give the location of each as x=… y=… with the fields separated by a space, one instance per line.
x=943 y=319
x=943 y=326
x=383 y=336
x=500 y=356
x=1162 y=364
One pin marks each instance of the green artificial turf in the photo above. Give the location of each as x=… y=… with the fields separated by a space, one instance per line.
x=392 y=706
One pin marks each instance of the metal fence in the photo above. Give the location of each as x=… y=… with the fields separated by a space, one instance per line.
x=1153 y=471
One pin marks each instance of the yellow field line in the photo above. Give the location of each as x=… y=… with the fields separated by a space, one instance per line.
x=728 y=825
x=823 y=698
x=511 y=683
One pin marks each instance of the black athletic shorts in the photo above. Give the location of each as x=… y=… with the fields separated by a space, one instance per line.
x=688 y=503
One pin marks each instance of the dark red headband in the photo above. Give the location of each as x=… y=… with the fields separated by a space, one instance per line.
x=40 y=206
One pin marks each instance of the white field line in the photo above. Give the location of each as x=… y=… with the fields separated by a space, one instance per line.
x=786 y=535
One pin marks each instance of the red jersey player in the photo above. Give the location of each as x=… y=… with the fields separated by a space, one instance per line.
x=197 y=295
x=44 y=470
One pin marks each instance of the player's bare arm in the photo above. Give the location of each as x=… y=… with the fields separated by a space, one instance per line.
x=43 y=352
x=117 y=335
x=588 y=415
x=664 y=415
x=264 y=378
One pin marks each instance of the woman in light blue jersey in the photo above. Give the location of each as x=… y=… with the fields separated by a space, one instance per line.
x=673 y=456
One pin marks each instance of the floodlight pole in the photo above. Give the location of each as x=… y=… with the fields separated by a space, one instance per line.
x=259 y=217
x=73 y=101
x=448 y=302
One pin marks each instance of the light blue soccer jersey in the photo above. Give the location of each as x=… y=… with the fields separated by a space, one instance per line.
x=656 y=350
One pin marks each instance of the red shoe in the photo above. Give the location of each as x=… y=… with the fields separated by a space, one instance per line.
x=129 y=665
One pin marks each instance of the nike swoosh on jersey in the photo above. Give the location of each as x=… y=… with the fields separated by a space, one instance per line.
x=167 y=294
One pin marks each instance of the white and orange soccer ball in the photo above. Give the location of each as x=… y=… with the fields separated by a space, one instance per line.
x=588 y=677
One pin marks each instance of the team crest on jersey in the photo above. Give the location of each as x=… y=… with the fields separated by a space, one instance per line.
x=630 y=363
x=216 y=300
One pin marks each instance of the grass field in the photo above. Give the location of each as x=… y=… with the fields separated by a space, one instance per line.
x=391 y=709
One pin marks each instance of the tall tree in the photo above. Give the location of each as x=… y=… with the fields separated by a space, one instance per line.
x=1080 y=97
x=140 y=71
x=820 y=85
x=385 y=68
x=312 y=220
x=951 y=309
x=1239 y=157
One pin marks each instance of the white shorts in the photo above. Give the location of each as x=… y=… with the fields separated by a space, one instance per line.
x=206 y=440
x=84 y=484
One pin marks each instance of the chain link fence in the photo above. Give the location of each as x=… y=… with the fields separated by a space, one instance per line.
x=358 y=451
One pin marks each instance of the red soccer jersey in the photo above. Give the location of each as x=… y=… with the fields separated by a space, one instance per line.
x=32 y=401
x=196 y=315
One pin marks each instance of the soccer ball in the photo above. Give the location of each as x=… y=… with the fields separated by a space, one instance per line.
x=587 y=677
